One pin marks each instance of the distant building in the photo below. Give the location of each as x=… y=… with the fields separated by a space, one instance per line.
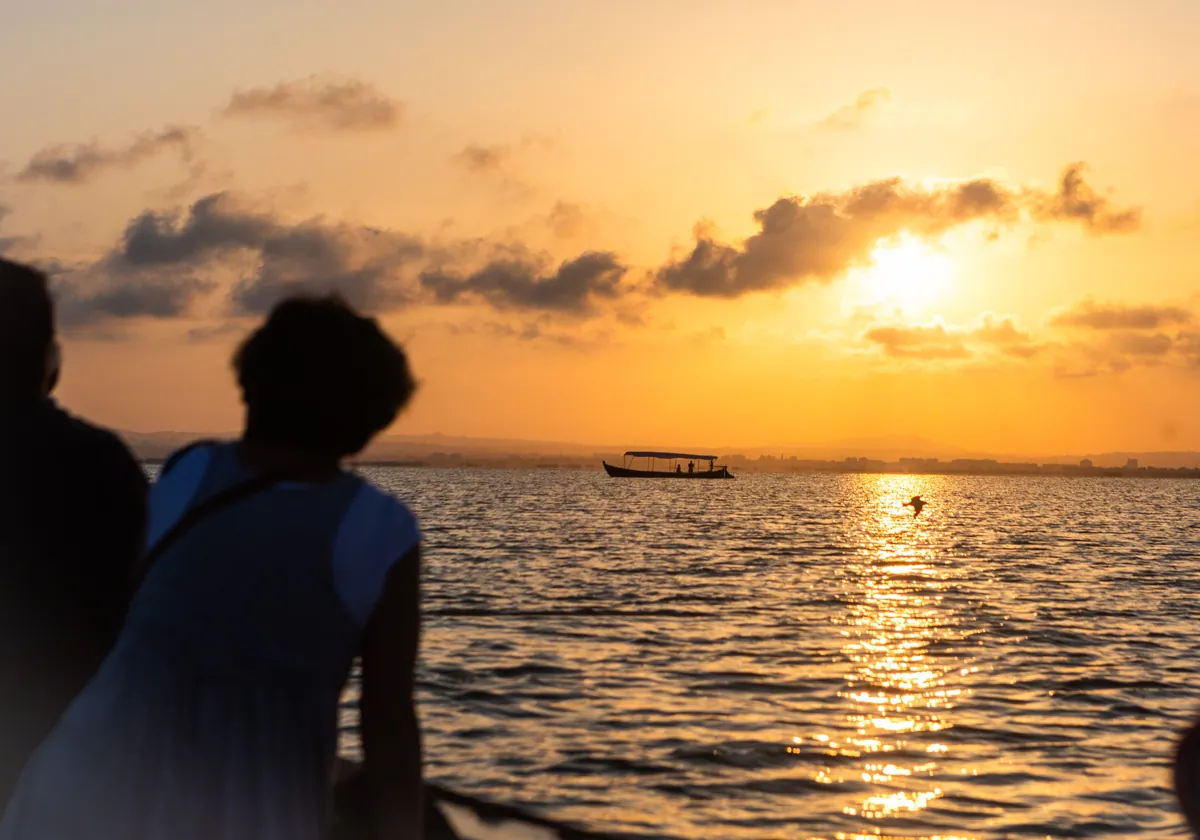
x=1086 y=463
x=1131 y=464
x=983 y=465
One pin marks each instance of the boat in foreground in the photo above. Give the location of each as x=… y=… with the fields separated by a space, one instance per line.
x=675 y=468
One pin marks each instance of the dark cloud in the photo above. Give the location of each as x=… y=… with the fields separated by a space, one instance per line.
x=95 y=294
x=1076 y=201
x=867 y=105
x=363 y=265
x=924 y=343
x=1094 y=316
x=315 y=102
x=519 y=284
x=164 y=263
x=213 y=225
x=160 y=267
x=482 y=160
x=79 y=163
x=819 y=238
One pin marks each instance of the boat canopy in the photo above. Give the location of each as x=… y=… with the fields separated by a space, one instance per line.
x=670 y=455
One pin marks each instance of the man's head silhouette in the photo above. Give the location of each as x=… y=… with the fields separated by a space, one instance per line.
x=29 y=354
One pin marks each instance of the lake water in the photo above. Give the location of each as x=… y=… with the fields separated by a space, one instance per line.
x=796 y=656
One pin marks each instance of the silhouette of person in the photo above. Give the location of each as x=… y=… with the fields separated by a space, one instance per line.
x=691 y=466
x=72 y=514
x=217 y=712
x=679 y=468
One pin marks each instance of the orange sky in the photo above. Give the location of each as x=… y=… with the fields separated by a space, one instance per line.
x=927 y=260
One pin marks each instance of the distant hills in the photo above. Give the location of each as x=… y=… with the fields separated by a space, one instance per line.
x=157 y=445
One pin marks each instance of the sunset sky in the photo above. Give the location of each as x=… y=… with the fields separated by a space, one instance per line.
x=701 y=223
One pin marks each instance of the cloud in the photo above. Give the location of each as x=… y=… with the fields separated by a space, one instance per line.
x=1119 y=352
x=1094 y=316
x=482 y=160
x=1004 y=336
x=164 y=262
x=8 y=244
x=861 y=110
x=1141 y=345
x=494 y=158
x=1188 y=345
x=93 y=294
x=363 y=265
x=938 y=341
x=1078 y=202
x=216 y=332
x=213 y=225
x=926 y=343
x=566 y=220
x=817 y=239
x=520 y=284
x=80 y=163
x=349 y=105
x=531 y=332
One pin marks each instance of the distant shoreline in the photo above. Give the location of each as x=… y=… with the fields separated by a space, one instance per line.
x=777 y=467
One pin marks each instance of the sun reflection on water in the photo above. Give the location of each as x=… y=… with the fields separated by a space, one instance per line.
x=903 y=682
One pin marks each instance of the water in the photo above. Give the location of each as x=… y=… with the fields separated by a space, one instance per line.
x=788 y=656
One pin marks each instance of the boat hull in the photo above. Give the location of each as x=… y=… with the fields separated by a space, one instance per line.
x=624 y=472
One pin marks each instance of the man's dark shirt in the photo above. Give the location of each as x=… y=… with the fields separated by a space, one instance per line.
x=72 y=516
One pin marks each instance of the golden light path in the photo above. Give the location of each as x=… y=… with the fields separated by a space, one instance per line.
x=899 y=697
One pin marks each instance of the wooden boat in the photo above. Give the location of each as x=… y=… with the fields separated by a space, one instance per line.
x=675 y=467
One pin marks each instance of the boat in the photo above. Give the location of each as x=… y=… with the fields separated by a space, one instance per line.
x=675 y=467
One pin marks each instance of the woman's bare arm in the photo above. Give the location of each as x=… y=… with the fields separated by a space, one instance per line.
x=391 y=735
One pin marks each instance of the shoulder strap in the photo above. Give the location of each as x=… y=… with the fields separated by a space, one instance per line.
x=196 y=514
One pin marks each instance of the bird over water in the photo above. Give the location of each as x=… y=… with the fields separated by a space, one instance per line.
x=917 y=504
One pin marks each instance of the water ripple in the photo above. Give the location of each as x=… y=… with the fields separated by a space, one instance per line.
x=796 y=656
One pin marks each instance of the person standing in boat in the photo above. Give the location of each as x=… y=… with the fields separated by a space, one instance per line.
x=216 y=715
x=691 y=466
x=72 y=514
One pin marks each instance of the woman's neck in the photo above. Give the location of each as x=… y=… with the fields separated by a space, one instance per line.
x=295 y=464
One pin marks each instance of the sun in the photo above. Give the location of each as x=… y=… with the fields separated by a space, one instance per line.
x=907 y=274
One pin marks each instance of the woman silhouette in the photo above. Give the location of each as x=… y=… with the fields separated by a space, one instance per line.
x=215 y=717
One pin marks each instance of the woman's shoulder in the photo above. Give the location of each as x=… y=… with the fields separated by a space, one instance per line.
x=375 y=510
x=377 y=532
